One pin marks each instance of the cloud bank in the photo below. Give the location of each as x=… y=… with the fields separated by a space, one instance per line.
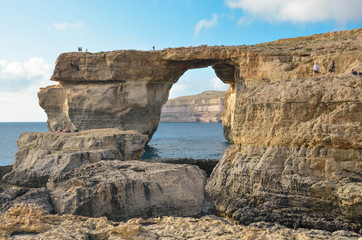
x=300 y=11
x=16 y=76
x=203 y=24
x=20 y=83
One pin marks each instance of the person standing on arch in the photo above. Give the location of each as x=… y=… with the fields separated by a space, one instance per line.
x=316 y=68
x=332 y=68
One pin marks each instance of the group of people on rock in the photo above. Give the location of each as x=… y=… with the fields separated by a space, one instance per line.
x=332 y=69
x=80 y=49
x=66 y=129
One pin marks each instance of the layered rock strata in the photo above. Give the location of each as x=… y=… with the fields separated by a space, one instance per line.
x=124 y=190
x=127 y=89
x=41 y=155
x=29 y=222
x=297 y=155
x=203 y=107
x=297 y=138
x=119 y=190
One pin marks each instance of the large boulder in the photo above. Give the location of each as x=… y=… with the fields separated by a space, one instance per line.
x=297 y=157
x=126 y=189
x=41 y=155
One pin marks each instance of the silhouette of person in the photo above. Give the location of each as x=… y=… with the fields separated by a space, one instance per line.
x=332 y=68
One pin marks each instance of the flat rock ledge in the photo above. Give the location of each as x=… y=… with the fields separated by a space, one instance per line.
x=41 y=155
x=122 y=190
x=28 y=222
x=204 y=164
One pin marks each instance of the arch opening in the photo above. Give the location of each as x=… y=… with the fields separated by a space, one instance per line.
x=189 y=133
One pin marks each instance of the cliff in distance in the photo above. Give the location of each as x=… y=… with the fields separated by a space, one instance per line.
x=203 y=107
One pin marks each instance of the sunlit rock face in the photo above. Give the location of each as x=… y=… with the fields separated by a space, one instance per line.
x=297 y=137
x=203 y=107
x=297 y=155
x=126 y=89
x=31 y=222
x=41 y=155
x=122 y=190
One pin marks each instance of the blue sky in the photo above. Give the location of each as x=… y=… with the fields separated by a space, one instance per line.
x=35 y=32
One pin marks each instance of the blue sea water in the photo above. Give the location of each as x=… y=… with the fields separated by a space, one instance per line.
x=187 y=140
x=10 y=132
x=171 y=140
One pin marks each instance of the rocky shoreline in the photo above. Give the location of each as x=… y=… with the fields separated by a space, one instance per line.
x=296 y=157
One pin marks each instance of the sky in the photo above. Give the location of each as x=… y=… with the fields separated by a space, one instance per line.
x=34 y=32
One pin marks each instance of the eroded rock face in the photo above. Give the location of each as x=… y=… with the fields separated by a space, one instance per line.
x=41 y=155
x=14 y=195
x=203 y=107
x=297 y=138
x=297 y=157
x=123 y=190
x=26 y=221
x=126 y=89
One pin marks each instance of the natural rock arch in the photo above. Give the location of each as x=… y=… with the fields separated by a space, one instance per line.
x=121 y=89
x=126 y=89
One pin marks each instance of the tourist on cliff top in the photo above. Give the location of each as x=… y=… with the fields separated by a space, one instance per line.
x=332 y=68
x=316 y=68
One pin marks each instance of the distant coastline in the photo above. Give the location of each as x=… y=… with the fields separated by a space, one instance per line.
x=204 y=107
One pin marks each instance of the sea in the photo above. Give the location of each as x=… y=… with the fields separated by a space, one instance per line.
x=171 y=140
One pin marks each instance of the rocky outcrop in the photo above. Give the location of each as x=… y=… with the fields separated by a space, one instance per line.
x=129 y=189
x=14 y=195
x=297 y=155
x=41 y=155
x=203 y=107
x=31 y=222
x=127 y=89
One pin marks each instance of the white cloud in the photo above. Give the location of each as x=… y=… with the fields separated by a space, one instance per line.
x=218 y=85
x=179 y=89
x=16 y=76
x=301 y=11
x=20 y=82
x=244 y=20
x=203 y=24
x=66 y=26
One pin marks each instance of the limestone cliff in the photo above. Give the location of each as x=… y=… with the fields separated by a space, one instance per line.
x=127 y=89
x=297 y=155
x=297 y=151
x=203 y=107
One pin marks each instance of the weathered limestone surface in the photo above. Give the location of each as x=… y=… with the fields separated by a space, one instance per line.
x=297 y=155
x=122 y=190
x=127 y=89
x=41 y=155
x=203 y=107
x=297 y=148
x=33 y=223
x=14 y=195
